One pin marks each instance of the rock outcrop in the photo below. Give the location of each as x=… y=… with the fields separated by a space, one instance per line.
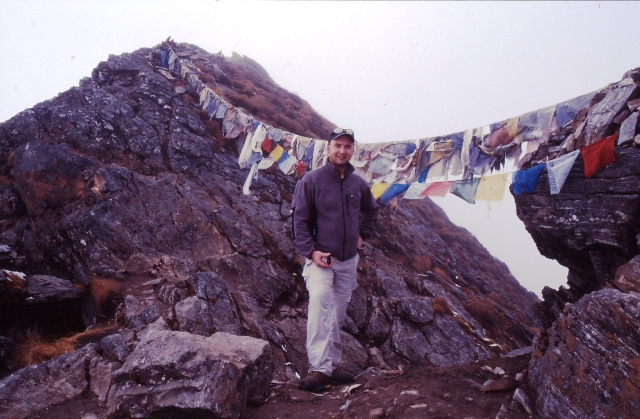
x=125 y=189
x=39 y=386
x=587 y=366
x=174 y=373
x=591 y=227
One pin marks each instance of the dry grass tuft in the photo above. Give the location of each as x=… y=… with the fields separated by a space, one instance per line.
x=37 y=349
x=441 y=306
x=103 y=289
x=421 y=263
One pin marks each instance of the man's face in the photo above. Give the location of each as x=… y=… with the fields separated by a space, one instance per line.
x=340 y=151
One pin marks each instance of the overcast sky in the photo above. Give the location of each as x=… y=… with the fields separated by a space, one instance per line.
x=389 y=70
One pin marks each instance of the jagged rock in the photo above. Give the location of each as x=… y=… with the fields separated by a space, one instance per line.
x=39 y=386
x=601 y=116
x=378 y=327
x=445 y=329
x=357 y=308
x=146 y=188
x=519 y=352
x=522 y=398
x=628 y=129
x=628 y=276
x=100 y=371
x=172 y=373
x=586 y=366
x=590 y=227
x=408 y=342
x=49 y=289
x=417 y=310
x=114 y=347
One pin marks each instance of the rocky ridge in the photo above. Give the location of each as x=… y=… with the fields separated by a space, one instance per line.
x=125 y=191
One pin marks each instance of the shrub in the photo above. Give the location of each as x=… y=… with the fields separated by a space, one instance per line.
x=441 y=306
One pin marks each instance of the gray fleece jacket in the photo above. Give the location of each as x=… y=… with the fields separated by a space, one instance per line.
x=330 y=213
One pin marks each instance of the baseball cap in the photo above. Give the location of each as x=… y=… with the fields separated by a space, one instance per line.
x=342 y=131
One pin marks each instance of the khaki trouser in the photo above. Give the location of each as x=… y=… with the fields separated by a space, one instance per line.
x=329 y=294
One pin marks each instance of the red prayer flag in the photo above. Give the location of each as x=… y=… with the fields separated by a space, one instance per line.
x=598 y=155
x=267 y=145
x=437 y=189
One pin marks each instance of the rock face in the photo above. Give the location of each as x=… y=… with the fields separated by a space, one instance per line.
x=173 y=373
x=125 y=188
x=587 y=366
x=38 y=386
x=592 y=226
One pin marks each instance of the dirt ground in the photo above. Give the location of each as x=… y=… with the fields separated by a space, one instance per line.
x=411 y=392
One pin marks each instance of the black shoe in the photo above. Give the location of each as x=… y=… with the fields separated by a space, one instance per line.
x=314 y=382
x=340 y=376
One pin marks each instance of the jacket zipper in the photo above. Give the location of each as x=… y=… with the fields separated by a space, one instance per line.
x=344 y=220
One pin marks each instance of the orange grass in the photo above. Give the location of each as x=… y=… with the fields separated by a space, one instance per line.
x=37 y=349
x=441 y=306
x=103 y=289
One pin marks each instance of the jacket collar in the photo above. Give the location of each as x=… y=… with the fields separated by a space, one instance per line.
x=335 y=172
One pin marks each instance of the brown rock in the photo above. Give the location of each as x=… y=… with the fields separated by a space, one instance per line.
x=628 y=276
x=633 y=104
x=587 y=366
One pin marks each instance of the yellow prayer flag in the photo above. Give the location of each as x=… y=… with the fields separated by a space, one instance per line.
x=512 y=127
x=276 y=153
x=491 y=188
x=378 y=189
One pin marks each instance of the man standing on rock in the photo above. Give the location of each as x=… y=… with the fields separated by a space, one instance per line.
x=334 y=211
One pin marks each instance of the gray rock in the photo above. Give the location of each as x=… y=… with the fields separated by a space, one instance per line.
x=408 y=342
x=180 y=373
x=131 y=307
x=100 y=370
x=48 y=289
x=114 y=347
x=149 y=314
x=157 y=326
x=39 y=386
x=628 y=129
x=378 y=327
x=417 y=309
x=357 y=308
x=601 y=116
x=587 y=365
x=519 y=352
x=524 y=401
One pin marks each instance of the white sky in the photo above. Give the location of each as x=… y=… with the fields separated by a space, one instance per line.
x=389 y=70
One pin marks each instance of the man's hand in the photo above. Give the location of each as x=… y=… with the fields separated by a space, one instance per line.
x=317 y=256
x=360 y=241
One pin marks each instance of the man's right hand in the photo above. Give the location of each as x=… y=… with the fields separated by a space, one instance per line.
x=317 y=256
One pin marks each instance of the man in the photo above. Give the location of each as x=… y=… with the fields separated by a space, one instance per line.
x=334 y=211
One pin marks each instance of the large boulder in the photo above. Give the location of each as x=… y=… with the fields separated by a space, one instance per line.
x=39 y=386
x=587 y=366
x=177 y=373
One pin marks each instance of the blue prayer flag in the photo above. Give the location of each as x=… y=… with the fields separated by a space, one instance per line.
x=393 y=191
x=527 y=180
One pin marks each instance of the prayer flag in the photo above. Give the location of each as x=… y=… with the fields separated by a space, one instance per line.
x=438 y=189
x=527 y=180
x=415 y=191
x=465 y=189
x=378 y=189
x=286 y=162
x=392 y=191
x=598 y=155
x=491 y=188
x=558 y=170
x=267 y=145
x=276 y=153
